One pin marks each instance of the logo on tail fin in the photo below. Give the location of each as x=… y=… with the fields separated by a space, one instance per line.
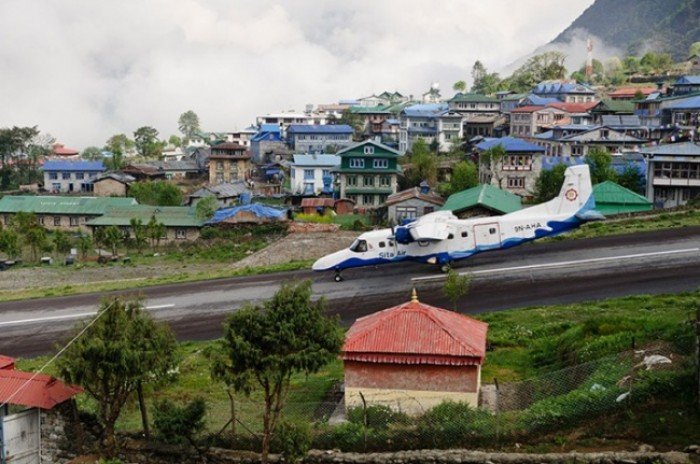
x=571 y=194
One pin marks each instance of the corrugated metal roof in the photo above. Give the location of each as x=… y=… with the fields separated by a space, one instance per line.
x=426 y=110
x=620 y=120
x=688 y=103
x=672 y=149
x=170 y=216
x=63 y=165
x=692 y=80
x=62 y=205
x=316 y=160
x=7 y=362
x=319 y=129
x=473 y=97
x=616 y=106
x=546 y=88
x=413 y=333
x=34 y=390
x=484 y=195
x=569 y=107
x=317 y=202
x=414 y=193
x=610 y=192
x=510 y=144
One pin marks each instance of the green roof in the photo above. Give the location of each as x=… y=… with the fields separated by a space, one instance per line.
x=612 y=198
x=484 y=195
x=369 y=109
x=472 y=97
x=170 y=216
x=616 y=106
x=62 y=205
x=514 y=97
x=368 y=191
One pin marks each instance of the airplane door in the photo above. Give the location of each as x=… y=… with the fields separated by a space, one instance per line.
x=487 y=235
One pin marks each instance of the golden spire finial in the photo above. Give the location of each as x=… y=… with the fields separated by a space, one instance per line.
x=414 y=296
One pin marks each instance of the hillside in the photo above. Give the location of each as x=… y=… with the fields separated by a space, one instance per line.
x=635 y=26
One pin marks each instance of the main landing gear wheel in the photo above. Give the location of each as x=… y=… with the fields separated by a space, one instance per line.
x=445 y=268
x=338 y=277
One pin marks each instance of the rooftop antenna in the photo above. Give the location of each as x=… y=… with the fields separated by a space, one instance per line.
x=589 y=59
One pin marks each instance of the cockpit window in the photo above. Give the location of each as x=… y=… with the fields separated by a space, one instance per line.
x=359 y=246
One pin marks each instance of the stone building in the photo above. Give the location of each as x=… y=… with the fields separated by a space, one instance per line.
x=412 y=357
x=411 y=204
x=228 y=162
x=112 y=184
x=673 y=176
x=63 y=176
x=515 y=172
x=306 y=138
x=181 y=222
x=368 y=173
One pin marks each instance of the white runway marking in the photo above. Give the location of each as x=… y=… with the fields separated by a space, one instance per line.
x=67 y=317
x=562 y=264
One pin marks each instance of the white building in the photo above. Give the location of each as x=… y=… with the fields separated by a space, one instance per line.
x=430 y=122
x=285 y=119
x=309 y=171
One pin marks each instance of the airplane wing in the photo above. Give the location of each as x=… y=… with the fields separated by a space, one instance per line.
x=431 y=227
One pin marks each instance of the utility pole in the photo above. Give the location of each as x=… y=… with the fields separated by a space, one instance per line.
x=697 y=355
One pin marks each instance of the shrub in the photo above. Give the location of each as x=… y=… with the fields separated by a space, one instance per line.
x=179 y=424
x=452 y=422
x=314 y=218
x=292 y=440
x=378 y=417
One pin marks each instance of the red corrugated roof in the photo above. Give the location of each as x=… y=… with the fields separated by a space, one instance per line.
x=42 y=391
x=316 y=202
x=527 y=109
x=573 y=107
x=61 y=150
x=414 y=193
x=631 y=91
x=416 y=333
x=6 y=362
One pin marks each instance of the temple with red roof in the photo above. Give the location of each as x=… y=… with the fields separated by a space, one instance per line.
x=412 y=357
x=30 y=389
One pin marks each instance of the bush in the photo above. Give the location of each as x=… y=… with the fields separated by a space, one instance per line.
x=451 y=422
x=378 y=417
x=314 y=218
x=179 y=424
x=292 y=440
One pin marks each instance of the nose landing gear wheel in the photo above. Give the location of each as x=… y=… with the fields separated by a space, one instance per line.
x=338 y=277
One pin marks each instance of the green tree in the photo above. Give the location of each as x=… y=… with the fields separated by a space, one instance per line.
x=459 y=86
x=180 y=424
x=548 y=183
x=538 y=68
x=631 y=65
x=115 y=162
x=492 y=160
x=599 y=161
x=113 y=238
x=61 y=242
x=140 y=232
x=9 y=243
x=424 y=164
x=465 y=175
x=175 y=141
x=694 y=49
x=146 y=142
x=120 y=349
x=354 y=120
x=119 y=143
x=155 y=231
x=456 y=286
x=188 y=124
x=84 y=245
x=289 y=334
x=92 y=154
x=158 y=193
x=206 y=207
x=484 y=82
x=632 y=179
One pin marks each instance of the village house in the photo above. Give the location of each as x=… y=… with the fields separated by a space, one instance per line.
x=228 y=162
x=63 y=176
x=517 y=172
x=686 y=84
x=482 y=113
x=527 y=121
x=175 y=170
x=390 y=132
x=411 y=204
x=577 y=140
x=143 y=172
x=319 y=206
x=673 y=173
x=412 y=357
x=181 y=222
x=267 y=145
x=685 y=113
x=607 y=107
x=570 y=92
x=286 y=118
x=482 y=201
x=612 y=198
x=368 y=173
x=250 y=214
x=312 y=174
x=373 y=117
x=112 y=184
x=59 y=150
x=63 y=213
x=432 y=122
x=226 y=194
x=306 y=138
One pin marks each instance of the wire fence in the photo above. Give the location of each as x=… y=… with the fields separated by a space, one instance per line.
x=387 y=420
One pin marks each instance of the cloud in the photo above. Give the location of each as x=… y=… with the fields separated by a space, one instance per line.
x=84 y=70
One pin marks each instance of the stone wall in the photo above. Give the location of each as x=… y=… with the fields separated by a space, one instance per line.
x=139 y=452
x=312 y=227
x=60 y=439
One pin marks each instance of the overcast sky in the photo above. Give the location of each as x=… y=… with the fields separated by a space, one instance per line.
x=83 y=70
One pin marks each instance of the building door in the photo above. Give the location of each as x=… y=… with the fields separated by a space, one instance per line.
x=20 y=441
x=487 y=235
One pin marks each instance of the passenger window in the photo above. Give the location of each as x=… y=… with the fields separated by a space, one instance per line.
x=391 y=243
x=360 y=246
x=492 y=230
x=382 y=244
x=464 y=234
x=450 y=237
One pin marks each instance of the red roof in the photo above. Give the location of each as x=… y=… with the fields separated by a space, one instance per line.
x=34 y=390
x=61 y=150
x=573 y=107
x=527 y=109
x=631 y=91
x=316 y=202
x=414 y=193
x=416 y=333
x=6 y=362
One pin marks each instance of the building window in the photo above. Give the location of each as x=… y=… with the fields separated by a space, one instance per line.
x=405 y=212
x=368 y=181
x=368 y=199
x=65 y=176
x=516 y=182
x=357 y=163
x=428 y=209
x=80 y=175
x=352 y=180
x=369 y=150
x=56 y=187
x=57 y=220
x=53 y=175
x=74 y=221
x=381 y=163
x=180 y=233
x=308 y=174
x=326 y=172
x=41 y=220
x=219 y=165
x=385 y=181
x=465 y=234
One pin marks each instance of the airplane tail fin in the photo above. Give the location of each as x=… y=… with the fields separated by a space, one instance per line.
x=576 y=194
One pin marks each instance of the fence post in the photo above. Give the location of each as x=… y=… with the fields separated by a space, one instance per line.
x=364 y=422
x=496 y=410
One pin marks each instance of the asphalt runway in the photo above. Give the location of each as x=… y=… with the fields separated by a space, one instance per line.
x=533 y=274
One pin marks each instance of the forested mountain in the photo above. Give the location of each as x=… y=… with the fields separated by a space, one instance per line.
x=636 y=26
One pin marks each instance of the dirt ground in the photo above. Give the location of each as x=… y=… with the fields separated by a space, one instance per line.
x=293 y=247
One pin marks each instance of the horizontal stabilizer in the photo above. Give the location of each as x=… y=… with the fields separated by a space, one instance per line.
x=590 y=215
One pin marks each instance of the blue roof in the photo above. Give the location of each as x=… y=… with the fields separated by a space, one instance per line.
x=674 y=149
x=692 y=80
x=319 y=129
x=686 y=103
x=548 y=162
x=510 y=144
x=426 y=110
x=545 y=88
x=61 y=165
x=536 y=100
x=269 y=128
x=259 y=210
x=545 y=135
x=316 y=160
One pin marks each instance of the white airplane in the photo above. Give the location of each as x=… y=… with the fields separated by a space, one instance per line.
x=440 y=238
